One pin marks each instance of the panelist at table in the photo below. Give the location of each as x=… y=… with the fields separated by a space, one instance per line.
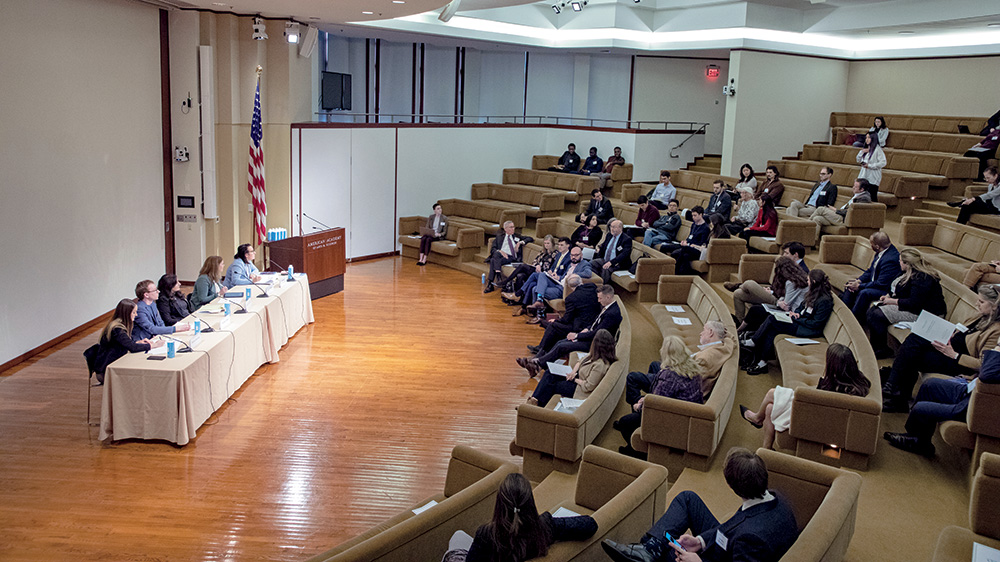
x=116 y=340
x=242 y=271
x=209 y=285
x=148 y=322
x=172 y=303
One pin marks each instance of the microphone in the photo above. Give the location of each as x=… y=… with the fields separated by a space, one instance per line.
x=184 y=349
x=242 y=309
x=261 y=296
x=315 y=221
x=207 y=327
x=290 y=278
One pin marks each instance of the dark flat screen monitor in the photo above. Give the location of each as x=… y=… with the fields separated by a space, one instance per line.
x=336 y=91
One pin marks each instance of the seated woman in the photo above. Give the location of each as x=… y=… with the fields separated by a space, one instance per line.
x=941 y=400
x=512 y=284
x=242 y=271
x=808 y=321
x=679 y=377
x=766 y=223
x=879 y=129
x=588 y=234
x=148 y=322
x=586 y=375
x=209 y=283
x=517 y=532
x=747 y=179
x=116 y=339
x=841 y=375
x=962 y=355
x=917 y=289
x=171 y=303
x=985 y=150
x=789 y=284
x=986 y=204
x=747 y=211
x=437 y=224
x=686 y=254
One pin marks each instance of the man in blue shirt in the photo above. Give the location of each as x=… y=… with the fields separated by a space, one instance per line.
x=148 y=322
x=823 y=194
x=661 y=195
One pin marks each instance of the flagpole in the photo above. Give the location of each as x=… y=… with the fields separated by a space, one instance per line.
x=253 y=213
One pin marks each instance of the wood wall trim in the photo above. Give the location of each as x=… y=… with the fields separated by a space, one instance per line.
x=167 y=144
x=102 y=319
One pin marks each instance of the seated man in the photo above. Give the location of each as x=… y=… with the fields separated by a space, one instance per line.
x=986 y=204
x=615 y=252
x=823 y=194
x=644 y=220
x=832 y=216
x=762 y=530
x=569 y=161
x=663 y=193
x=605 y=174
x=550 y=286
x=148 y=322
x=506 y=248
x=794 y=250
x=874 y=282
x=716 y=347
x=527 y=290
x=581 y=309
x=665 y=228
x=941 y=400
x=720 y=203
x=770 y=186
x=593 y=164
x=609 y=318
x=698 y=236
x=598 y=206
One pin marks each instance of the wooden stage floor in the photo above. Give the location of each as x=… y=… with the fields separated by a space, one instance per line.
x=355 y=423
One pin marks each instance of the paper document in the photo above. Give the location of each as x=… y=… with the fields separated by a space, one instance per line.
x=801 y=341
x=983 y=553
x=778 y=314
x=903 y=325
x=161 y=350
x=623 y=273
x=568 y=405
x=674 y=308
x=559 y=369
x=563 y=512
x=424 y=507
x=932 y=328
x=681 y=321
x=588 y=253
x=769 y=238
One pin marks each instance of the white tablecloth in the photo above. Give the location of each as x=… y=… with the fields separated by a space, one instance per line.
x=172 y=398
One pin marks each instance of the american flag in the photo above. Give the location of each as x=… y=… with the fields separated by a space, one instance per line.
x=255 y=171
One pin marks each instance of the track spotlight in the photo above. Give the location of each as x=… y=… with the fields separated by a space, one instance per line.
x=259 y=31
x=556 y=8
x=292 y=32
x=578 y=5
x=637 y=1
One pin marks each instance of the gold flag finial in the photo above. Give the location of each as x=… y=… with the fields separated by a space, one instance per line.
x=259 y=70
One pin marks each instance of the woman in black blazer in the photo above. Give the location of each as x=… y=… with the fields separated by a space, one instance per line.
x=172 y=303
x=917 y=289
x=588 y=234
x=438 y=223
x=116 y=339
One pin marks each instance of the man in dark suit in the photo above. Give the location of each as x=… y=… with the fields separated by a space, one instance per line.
x=874 y=282
x=763 y=529
x=615 y=253
x=599 y=206
x=582 y=307
x=609 y=318
x=797 y=253
x=823 y=194
x=506 y=248
x=720 y=203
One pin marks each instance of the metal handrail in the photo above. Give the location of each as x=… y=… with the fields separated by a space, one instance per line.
x=694 y=127
x=689 y=137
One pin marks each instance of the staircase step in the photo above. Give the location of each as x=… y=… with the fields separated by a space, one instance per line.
x=933 y=214
x=939 y=208
x=706 y=169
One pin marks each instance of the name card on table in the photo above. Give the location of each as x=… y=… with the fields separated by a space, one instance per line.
x=194 y=341
x=226 y=322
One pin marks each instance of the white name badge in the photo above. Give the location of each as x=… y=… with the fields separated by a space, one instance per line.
x=721 y=540
x=226 y=321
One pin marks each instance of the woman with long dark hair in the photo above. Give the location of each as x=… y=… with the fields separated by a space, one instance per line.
x=512 y=284
x=747 y=178
x=517 y=531
x=789 y=284
x=766 y=223
x=872 y=159
x=808 y=321
x=172 y=303
x=586 y=375
x=917 y=289
x=588 y=234
x=841 y=375
x=242 y=271
x=116 y=338
x=879 y=129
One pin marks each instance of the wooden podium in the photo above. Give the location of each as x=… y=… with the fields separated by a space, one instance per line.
x=319 y=254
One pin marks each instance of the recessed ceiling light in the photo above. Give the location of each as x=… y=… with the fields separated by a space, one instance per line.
x=996 y=24
x=907 y=32
x=367 y=13
x=398 y=2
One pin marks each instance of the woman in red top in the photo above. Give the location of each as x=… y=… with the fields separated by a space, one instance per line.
x=766 y=223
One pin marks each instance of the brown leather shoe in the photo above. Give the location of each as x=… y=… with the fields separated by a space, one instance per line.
x=519 y=311
x=532 y=400
x=509 y=296
x=533 y=320
x=536 y=305
x=731 y=285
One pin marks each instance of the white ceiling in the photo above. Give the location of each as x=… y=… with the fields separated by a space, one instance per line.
x=851 y=29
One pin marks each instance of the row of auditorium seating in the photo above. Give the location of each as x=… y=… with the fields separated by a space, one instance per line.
x=906 y=122
x=620 y=175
